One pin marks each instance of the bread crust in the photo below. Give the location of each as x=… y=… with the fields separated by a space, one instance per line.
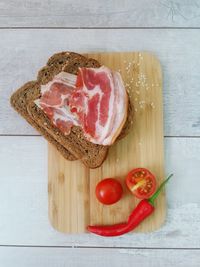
x=73 y=146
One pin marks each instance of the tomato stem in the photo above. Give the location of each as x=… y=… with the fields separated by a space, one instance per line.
x=155 y=195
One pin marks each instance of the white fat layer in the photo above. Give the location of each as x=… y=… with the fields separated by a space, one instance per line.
x=90 y=94
x=65 y=116
x=121 y=104
x=68 y=78
x=62 y=77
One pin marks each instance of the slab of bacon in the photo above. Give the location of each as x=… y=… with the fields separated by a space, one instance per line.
x=95 y=100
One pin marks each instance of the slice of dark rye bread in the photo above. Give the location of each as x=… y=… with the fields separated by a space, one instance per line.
x=74 y=145
x=31 y=91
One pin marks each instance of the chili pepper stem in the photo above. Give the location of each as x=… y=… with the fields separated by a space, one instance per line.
x=155 y=195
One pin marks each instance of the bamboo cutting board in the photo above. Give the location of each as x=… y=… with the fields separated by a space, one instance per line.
x=71 y=187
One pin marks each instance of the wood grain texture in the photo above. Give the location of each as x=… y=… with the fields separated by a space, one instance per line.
x=128 y=13
x=76 y=257
x=23 y=188
x=177 y=50
x=24 y=203
x=68 y=192
x=72 y=201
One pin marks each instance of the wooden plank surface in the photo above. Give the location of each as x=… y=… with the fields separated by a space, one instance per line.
x=128 y=13
x=22 y=188
x=72 y=201
x=76 y=257
x=24 y=203
x=68 y=193
x=174 y=48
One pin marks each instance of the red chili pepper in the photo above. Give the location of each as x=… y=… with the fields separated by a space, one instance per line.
x=142 y=211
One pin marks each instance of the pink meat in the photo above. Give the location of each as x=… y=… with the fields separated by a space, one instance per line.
x=95 y=100
x=53 y=97
x=98 y=105
x=54 y=101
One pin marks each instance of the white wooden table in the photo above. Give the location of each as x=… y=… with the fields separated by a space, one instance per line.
x=32 y=30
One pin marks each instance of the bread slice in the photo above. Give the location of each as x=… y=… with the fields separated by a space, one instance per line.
x=74 y=145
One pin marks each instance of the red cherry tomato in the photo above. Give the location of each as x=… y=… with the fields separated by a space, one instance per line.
x=109 y=191
x=141 y=182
